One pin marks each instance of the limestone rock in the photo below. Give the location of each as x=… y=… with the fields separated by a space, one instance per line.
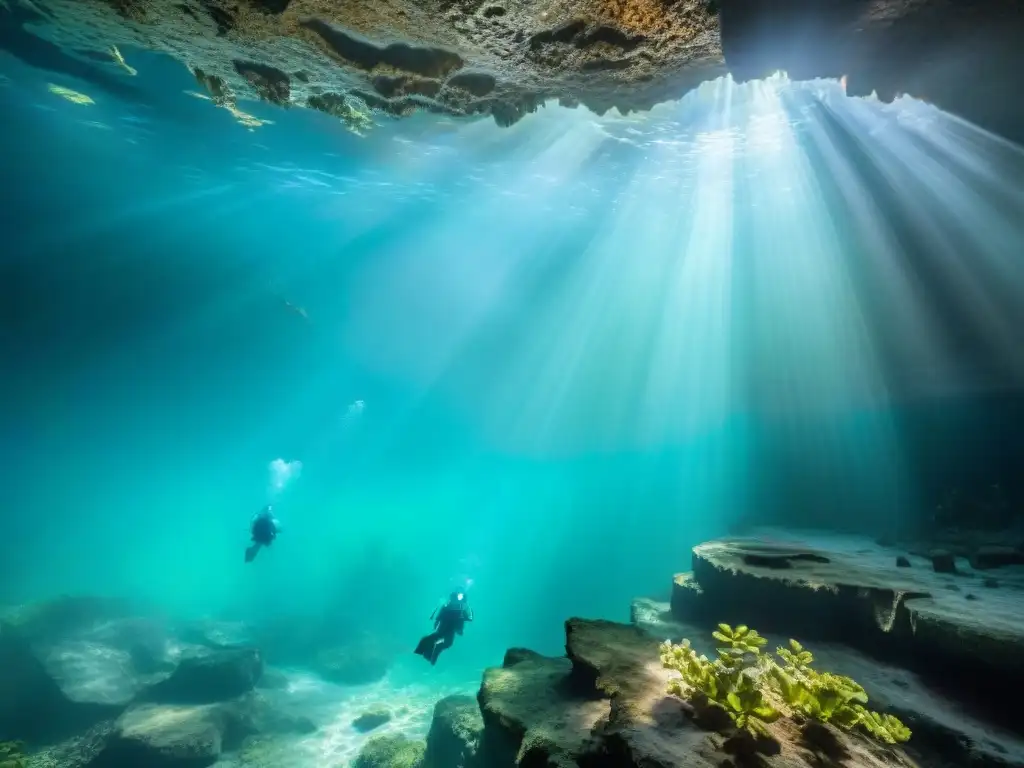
x=941 y=726
x=686 y=594
x=505 y=59
x=657 y=619
x=530 y=713
x=946 y=665
x=454 y=737
x=851 y=591
x=605 y=706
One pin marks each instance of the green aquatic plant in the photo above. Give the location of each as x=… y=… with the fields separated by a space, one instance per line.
x=742 y=639
x=730 y=682
x=883 y=727
x=12 y=755
x=755 y=689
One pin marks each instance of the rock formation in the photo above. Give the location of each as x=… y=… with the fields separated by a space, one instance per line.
x=454 y=737
x=107 y=686
x=852 y=591
x=392 y=751
x=505 y=58
x=605 y=704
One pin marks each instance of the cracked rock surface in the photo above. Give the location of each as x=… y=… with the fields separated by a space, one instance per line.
x=500 y=57
x=505 y=58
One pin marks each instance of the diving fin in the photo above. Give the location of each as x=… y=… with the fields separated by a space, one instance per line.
x=251 y=552
x=425 y=647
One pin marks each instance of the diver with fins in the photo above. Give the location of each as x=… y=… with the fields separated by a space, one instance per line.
x=264 y=529
x=449 y=619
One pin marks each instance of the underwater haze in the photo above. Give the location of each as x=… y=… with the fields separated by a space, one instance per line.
x=537 y=364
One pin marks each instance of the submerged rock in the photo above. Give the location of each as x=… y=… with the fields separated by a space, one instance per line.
x=606 y=705
x=72 y=667
x=80 y=751
x=392 y=751
x=371 y=719
x=942 y=561
x=359 y=662
x=166 y=736
x=187 y=735
x=994 y=556
x=506 y=59
x=455 y=731
x=920 y=648
x=835 y=589
x=70 y=663
x=205 y=676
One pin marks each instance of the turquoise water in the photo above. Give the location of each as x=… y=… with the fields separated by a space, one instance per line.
x=537 y=363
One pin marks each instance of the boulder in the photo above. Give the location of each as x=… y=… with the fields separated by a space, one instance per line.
x=392 y=751
x=455 y=731
x=204 y=676
x=358 y=662
x=943 y=561
x=166 y=736
x=371 y=719
x=192 y=735
x=70 y=663
x=996 y=556
x=531 y=714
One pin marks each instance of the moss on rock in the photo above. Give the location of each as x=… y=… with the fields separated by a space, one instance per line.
x=392 y=751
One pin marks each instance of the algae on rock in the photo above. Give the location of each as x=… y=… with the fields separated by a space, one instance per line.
x=390 y=751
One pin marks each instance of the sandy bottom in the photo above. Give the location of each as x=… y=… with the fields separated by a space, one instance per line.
x=336 y=743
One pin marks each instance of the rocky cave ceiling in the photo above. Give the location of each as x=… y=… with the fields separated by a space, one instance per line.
x=505 y=58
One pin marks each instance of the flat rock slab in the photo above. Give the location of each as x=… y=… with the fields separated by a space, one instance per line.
x=850 y=589
x=605 y=706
